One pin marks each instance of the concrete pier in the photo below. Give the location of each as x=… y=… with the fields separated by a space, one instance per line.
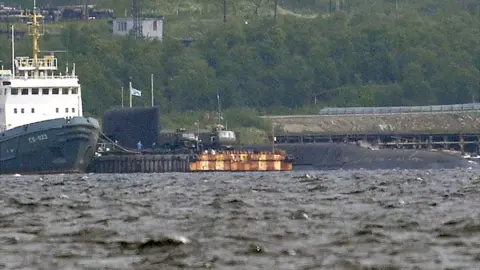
x=140 y=163
x=202 y=162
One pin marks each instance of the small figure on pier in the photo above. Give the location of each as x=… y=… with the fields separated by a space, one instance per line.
x=139 y=146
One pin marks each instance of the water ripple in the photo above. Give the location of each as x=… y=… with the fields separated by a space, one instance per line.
x=310 y=220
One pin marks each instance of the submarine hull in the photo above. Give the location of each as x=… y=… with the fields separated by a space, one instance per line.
x=334 y=156
x=128 y=126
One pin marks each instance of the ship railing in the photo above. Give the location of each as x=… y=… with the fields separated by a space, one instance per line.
x=5 y=73
x=45 y=63
x=46 y=77
x=105 y=147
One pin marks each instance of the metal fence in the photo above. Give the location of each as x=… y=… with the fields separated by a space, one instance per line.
x=401 y=109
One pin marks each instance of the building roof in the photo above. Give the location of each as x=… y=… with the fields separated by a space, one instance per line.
x=141 y=18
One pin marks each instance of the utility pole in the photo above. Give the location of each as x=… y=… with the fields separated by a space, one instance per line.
x=273 y=138
x=121 y=91
x=151 y=87
x=85 y=10
x=275 y=9
x=130 y=92
x=224 y=11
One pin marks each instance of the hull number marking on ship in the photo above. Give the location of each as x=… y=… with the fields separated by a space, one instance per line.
x=38 y=138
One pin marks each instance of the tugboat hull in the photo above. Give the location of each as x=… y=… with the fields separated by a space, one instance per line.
x=48 y=147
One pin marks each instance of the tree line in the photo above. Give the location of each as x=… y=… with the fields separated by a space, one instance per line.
x=391 y=54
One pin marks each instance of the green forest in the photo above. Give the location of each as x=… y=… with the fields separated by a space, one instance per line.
x=311 y=55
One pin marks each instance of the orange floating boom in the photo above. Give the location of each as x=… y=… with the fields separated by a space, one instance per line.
x=241 y=161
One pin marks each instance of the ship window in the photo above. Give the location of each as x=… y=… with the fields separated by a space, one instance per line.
x=56 y=110
x=22 y=110
x=73 y=110
x=33 y=110
x=14 y=91
x=6 y=83
x=64 y=91
x=74 y=91
x=66 y=110
x=34 y=91
x=25 y=91
x=45 y=91
x=54 y=91
x=15 y=110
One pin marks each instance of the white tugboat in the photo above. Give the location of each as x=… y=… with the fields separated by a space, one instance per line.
x=42 y=128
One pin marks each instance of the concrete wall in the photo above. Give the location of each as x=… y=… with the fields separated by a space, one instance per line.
x=461 y=122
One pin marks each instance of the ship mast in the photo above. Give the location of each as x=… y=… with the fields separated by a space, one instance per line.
x=35 y=35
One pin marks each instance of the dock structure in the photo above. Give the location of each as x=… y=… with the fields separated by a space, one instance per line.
x=202 y=162
x=449 y=127
x=127 y=163
x=461 y=142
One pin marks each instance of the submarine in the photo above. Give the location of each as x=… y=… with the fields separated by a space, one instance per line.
x=123 y=125
x=335 y=156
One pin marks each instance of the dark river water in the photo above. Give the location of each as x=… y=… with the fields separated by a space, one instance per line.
x=298 y=220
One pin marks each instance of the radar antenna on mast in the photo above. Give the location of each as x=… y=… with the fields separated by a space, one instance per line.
x=53 y=52
x=35 y=32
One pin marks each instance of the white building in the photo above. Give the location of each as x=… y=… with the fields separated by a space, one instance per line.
x=149 y=27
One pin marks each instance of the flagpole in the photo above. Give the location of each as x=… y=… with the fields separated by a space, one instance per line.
x=218 y=104
x=130 y=93
x=122 y=96
x=13 y=50
x=151 y=82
